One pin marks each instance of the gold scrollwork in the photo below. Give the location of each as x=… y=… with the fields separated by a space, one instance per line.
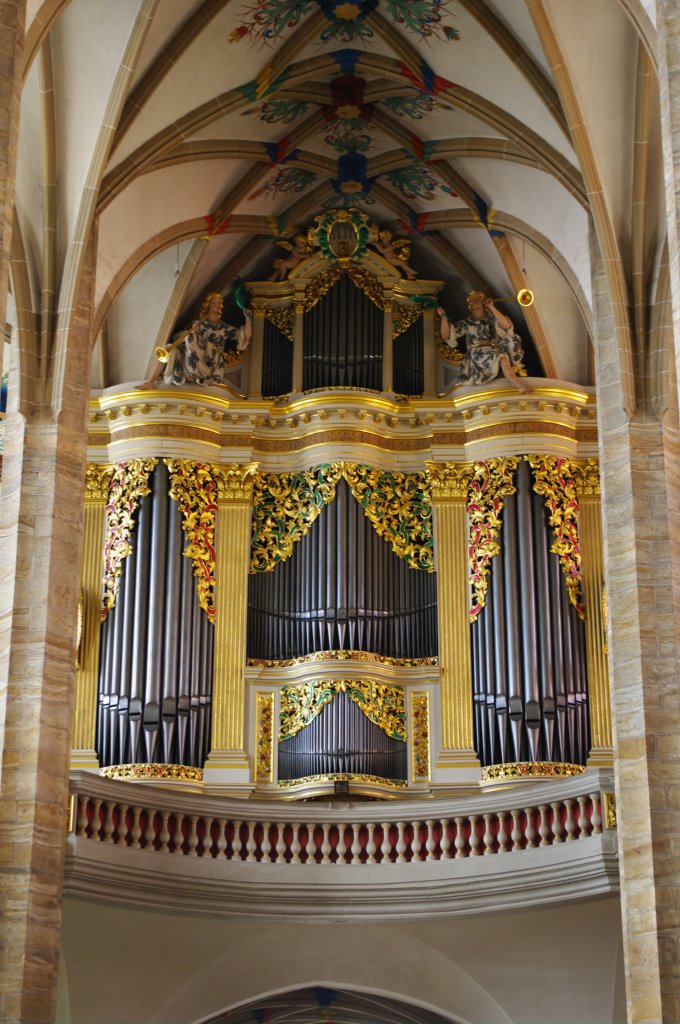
x=371 y=780
x=264 y=755
x=98 y=483
x=382 y=704
x=420 y=736
x=235 y=482
x=363 y=279
x=554 y=481
x=282 y=317
x=178 y=772
x=403 y=316
x=492 y=482
x=449 y=481
x=284 y=508
x=586 y=477
x=193 y=485
x=365 y=656
x=399 y=506
x=128 y=484
x=609 y=808
x=531 y=770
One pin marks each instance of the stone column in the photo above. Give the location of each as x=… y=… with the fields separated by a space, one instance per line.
x=668 y=59
x=644 y=677
x=12 y=24
x=256 y=352
x=457 y=761
x=83 y=753
x=298 y=343
x=587 y=481
x=227 y=767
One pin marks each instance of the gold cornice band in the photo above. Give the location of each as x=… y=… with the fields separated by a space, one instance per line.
x=175 y=772
x=361 y=656
x=531 y=770
x=373 y=780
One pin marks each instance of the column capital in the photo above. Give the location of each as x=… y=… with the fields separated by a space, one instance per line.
x=586 y=477
x=235 y=482
x=97 y=483
x=449 y=480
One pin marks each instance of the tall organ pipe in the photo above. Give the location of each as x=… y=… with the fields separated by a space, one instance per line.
x=528 y=647
x=343 y=588
x=343 y=340
x=155 y=672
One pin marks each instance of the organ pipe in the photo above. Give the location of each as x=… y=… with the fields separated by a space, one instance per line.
x=343 y=340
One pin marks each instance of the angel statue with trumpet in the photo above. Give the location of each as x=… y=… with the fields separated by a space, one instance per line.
x=201 y=354
x=491 y=345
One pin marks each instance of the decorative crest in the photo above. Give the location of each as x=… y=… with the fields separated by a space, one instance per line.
x=342 y=235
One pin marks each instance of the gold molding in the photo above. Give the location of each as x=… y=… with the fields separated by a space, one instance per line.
x=362 y=656
x=176 y=772
x=420 y=736
x=264 y=737
x=609 y=809
x=531 y=770
x=343 y=777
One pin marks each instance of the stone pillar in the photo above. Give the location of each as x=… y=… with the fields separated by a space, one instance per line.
x=12 y=24
x=668 y=59
x=83 y=753
x=227 y=767
x=644 y=681
x=298 y=344
x=429 y=355
x=457 y=761
x=256 y=352
x=587 y=481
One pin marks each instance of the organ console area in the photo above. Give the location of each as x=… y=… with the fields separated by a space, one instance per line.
x=336 y=576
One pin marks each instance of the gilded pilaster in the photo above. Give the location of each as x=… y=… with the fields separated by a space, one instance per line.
x=264 y=737
x=232 y=553
x=449 y=485
x=429 y=354
x=256 y=351
x=97 y=484
x=587 y=482
x=388 y=343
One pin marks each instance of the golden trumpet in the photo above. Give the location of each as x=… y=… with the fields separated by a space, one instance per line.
x=524 y=296
x=163 y=354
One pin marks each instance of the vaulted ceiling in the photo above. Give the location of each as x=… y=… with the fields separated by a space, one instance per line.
x=188 y=136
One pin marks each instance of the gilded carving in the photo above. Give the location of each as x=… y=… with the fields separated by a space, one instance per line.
x=609 y=808
x=586 y=477
x=554 y=481
x=492 y=483
x=365 y=656
x=309 y=780
x=363 y=279
x=264 y=754
x=98 y=482
x=282 y=317
x=449 y=481
x=420 y=736
x=193 y=485
x=531 y=770
x=284 y=508
x=399 y=506
x=382 y=704
x=235 y=482
x=129 y=483
x=177 y=772
x=403 y=316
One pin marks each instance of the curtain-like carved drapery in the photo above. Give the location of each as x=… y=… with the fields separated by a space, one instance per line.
x=528 y=645
x=193 y=486
x=343 y=588
x=129 y=483
x=156 y=660
x=382 y=704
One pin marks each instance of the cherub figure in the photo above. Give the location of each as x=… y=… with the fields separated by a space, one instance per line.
x=298 y=251
x=395 y=251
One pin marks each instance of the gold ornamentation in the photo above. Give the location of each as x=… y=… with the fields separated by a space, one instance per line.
x=193 y=485
x=264 y=738
x=403 y=316
x=284 y=508
x=282 y=317
x=586 y=477
x=371 y=780
x=449 y=481
x=531 y=770
x=79 y=628
x=491 y=484
x=603 y=602
x=235 y=482
x=554 y=481
x=98 y=483
x=420 y=736
x=366 y=656
x=399 y=506
x=363 y=279
x=609 y=808
x=129 y=483
x=382 y=704
x=178 y=772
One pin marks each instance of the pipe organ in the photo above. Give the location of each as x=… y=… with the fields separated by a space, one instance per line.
x=415 y=603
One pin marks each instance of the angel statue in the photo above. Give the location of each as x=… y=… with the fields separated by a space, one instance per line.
x=297 y=252
x=395 y=251
x=492 y=346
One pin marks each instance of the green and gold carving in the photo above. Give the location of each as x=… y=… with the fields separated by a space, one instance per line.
x=129 y=483
x=492 y=483
x=383 y=705
x=399 y=506
x=264 y=737
x=420 y=736
x=284 y=508
x=193 y=485
x=554 y=481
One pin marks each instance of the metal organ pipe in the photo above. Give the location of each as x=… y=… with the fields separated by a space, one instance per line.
x=343 y=340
